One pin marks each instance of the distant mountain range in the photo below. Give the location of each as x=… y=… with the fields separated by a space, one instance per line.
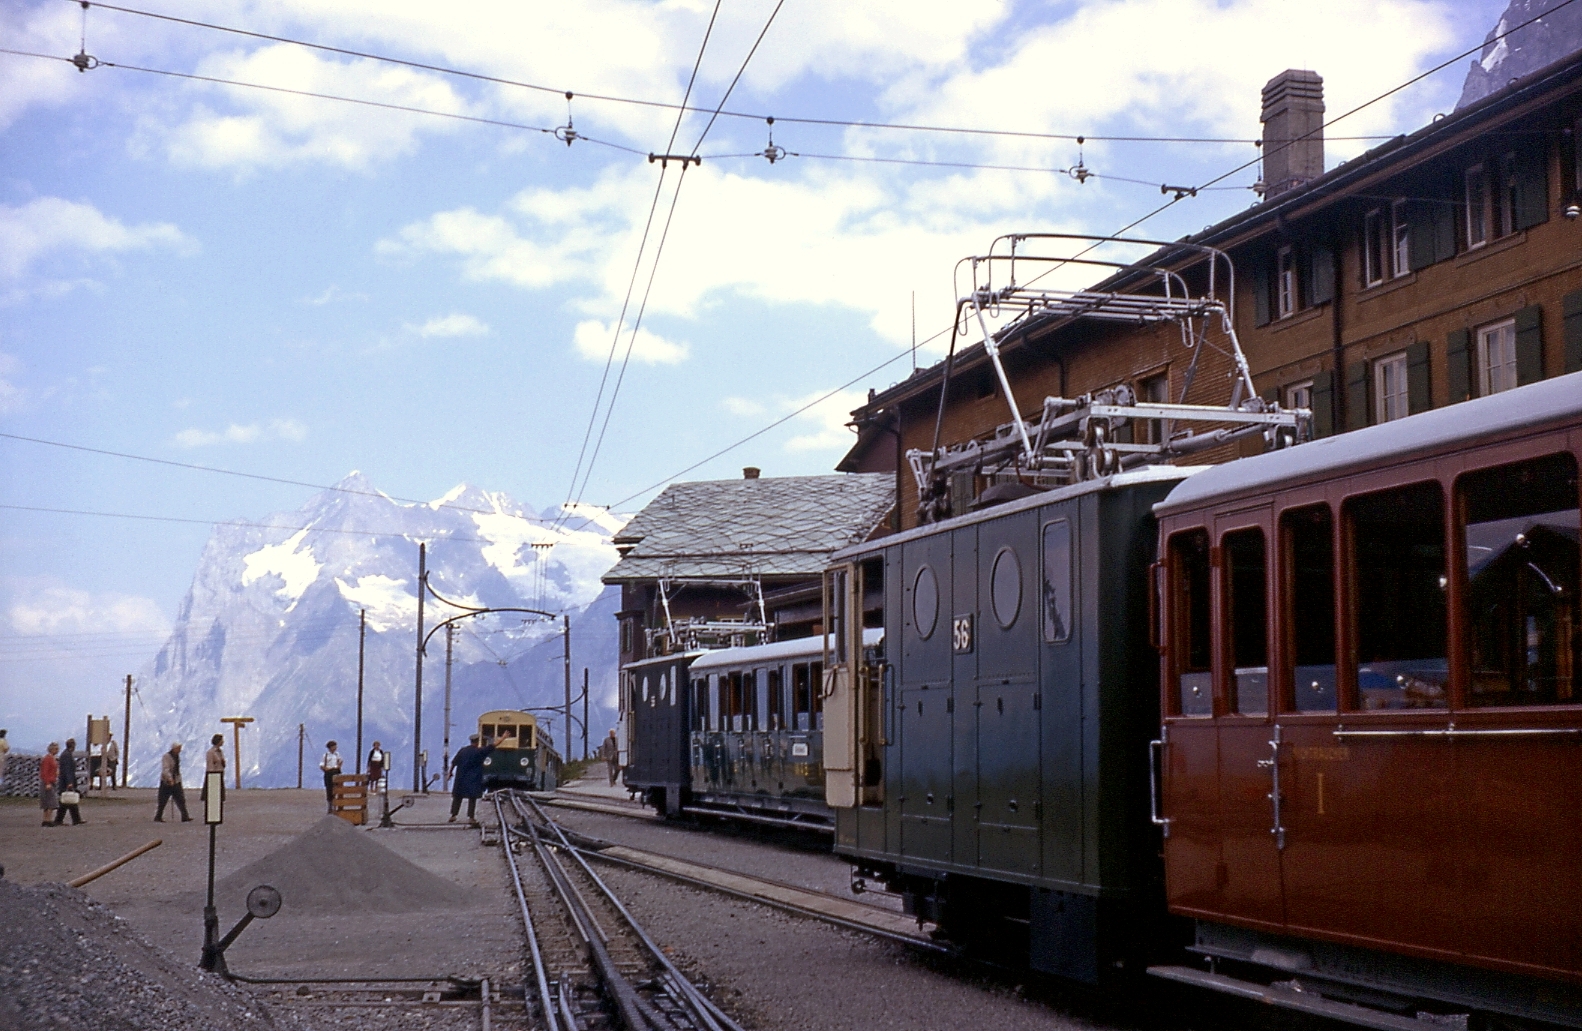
x=269 y=629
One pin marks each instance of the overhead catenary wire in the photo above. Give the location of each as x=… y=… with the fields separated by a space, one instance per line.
x=665 y=234
x=682 y=108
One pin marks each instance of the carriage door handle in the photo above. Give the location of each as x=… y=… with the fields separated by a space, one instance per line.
x=1272 y=764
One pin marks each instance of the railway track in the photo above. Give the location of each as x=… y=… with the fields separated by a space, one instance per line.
x=592 y=965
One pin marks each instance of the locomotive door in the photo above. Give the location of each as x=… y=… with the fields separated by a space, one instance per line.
x=923 y=713
x=1251 y=835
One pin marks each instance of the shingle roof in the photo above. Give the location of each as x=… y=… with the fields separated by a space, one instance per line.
x=786 y=526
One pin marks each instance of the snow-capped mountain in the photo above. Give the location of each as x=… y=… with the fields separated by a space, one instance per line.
x=269 y=629
x=1556 y=34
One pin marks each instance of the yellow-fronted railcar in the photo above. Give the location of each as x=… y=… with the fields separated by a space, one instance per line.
x=521 y=755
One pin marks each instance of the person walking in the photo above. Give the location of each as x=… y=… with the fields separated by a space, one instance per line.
x=214 y=762
x=170 y=788
x=66 y=784
x=112 y=759
x=5 y=753
x=48 y=772
x=376 y=766
x=331 y=765
x=468 y=780
x=610 y=752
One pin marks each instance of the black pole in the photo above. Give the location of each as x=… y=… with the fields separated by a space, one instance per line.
x=417 y=700
x=362 y=636
x=211 y=919
x=565 y=746
x=126 y=735
x=301 y=734
x=444 y=761
x=584 y=713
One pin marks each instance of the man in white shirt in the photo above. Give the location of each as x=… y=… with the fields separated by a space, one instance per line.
x=331 y=765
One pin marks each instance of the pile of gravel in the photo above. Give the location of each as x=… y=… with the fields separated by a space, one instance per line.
x=67 y=961
x=334 y=868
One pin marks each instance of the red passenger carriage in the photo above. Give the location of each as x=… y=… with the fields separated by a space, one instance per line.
x=1371 y=758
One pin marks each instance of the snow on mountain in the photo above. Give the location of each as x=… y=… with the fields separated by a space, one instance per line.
x=1506 y=58
x=269 y=628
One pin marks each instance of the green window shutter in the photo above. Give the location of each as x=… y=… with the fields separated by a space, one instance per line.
x=1458 y=364
x=1532 y=185
x=1260 y=294
x=1320 y=275
x=1420 y=234
x=1358 y=414
x=1323 y=404
x=1419 y=388
x=1529 y=345
x=1572 y=307
x=1444 y=229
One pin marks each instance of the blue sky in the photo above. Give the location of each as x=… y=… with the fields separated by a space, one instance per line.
x=298 y=287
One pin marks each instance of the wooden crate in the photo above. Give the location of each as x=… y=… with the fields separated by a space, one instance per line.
x=351 y=798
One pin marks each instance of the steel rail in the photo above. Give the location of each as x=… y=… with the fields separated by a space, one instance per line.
x=701 y=1008
x=632 y=1010
x=540 y=975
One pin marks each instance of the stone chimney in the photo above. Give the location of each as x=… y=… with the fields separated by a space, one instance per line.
x=751 y=472
x=1293 y=110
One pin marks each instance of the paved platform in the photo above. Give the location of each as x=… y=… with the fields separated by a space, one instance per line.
x=596 y=787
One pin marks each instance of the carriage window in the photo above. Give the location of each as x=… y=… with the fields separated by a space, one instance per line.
x=1398 y=604
x=816 y=675
x=486 y=730
x=1057 y=581
x=801 y=696
x=700 y=703
x=1521 y=526
x=777 y=709
x=749 y=701
x=1189 y=642
x=718 y=685
x=1309 y=597
x=1247 y=615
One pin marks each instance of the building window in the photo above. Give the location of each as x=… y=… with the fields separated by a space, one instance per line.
x=1285 y=283
x=1389 y=388
x=1402 y=235
x=1299 y=395
x=1509 y=202
x=1151 y=391
x=1375 y=247
x=1477 y=206
x=1497 y=357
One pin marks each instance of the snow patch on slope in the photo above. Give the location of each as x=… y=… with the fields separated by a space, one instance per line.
x=297 y=569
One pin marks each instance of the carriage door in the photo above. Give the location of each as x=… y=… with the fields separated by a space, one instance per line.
x=1250 y=833
x=924 y=709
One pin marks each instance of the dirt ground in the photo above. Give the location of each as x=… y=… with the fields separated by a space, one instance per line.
x=774 y=971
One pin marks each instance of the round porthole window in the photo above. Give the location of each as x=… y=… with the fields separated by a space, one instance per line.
x=925 y=602
x=645 y=689
x=1005 y=587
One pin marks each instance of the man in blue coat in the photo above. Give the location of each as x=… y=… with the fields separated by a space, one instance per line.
x=468 y=780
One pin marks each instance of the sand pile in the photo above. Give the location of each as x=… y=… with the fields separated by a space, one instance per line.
x=67 y=961
x=334 y=868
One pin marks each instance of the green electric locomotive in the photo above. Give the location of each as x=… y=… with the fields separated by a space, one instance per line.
x=522 y=755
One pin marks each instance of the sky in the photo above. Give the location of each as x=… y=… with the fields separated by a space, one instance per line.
x=298 y=287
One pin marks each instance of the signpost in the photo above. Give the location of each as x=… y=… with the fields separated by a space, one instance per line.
x=213 y=815
x=236 y=723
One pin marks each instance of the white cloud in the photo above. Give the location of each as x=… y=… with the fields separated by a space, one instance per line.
x=454 y=325
x=742 y=406
x=46 y=609
x=48 y=224
x=829 y=417
x=593 y=340
x=331 y=294
x=274 y=129
x=276 y=429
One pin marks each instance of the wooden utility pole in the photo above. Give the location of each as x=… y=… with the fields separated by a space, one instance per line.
x=126 y=735
x=362 y=642
x=301 y=735
x=450 y=640
x=417 y=692
x=236 y=723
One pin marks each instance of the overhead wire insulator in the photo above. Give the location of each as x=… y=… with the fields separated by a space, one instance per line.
x=567 y=133
x=82 y=59
x=772 y=152
x=1079 y=171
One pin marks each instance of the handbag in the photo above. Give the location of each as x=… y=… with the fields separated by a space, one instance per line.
x=70 y=798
